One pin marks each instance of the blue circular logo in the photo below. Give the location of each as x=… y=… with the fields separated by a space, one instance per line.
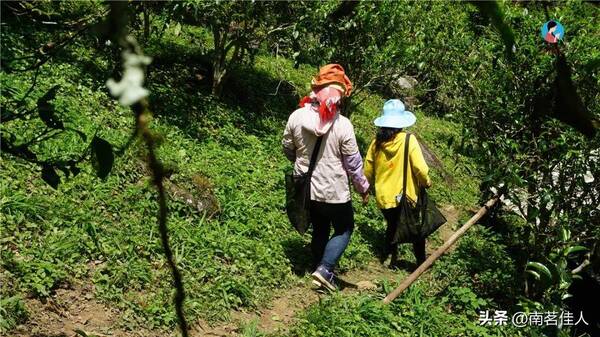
x=552 y=31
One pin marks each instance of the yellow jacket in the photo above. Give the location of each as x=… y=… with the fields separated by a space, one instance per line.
x=383 y=169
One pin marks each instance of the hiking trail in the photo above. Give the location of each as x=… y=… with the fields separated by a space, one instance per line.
x=74 y=311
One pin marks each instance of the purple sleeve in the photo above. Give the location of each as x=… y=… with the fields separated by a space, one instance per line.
x=353 y=164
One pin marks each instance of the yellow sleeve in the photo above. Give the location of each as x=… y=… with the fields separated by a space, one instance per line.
x=369 y=160
x=418 y=164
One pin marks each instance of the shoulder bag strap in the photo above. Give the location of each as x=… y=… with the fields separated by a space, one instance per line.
x=405 y=169
x=313 y=157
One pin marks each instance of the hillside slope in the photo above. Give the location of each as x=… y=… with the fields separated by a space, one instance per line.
x=95 y=242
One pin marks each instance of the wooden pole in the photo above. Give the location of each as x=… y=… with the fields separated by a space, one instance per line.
x=425 y=265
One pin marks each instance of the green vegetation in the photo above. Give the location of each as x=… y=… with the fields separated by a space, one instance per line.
x=220 y=142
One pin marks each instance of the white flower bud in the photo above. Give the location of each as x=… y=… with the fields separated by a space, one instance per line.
x=130 y=90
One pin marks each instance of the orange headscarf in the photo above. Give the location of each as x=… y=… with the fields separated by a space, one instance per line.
x=332 y=74
x=328 y=88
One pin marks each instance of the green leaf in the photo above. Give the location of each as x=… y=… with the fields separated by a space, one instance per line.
x=535 y=274
x=10 y=92
x=565 y=234
x=540 y=268
x=102 y=156
x=80 y=133
x=84 y=334
x=574 y=249
x=65 y=170
x=50 y=176
x=81 y=332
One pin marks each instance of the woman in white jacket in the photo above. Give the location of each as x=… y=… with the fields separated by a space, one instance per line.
x=338 y=159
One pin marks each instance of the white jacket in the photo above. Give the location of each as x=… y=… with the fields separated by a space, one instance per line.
x=329 y=181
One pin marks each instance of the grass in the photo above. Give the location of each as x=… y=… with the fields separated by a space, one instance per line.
x=478 y=275
x=414 y=314
x=233 y=260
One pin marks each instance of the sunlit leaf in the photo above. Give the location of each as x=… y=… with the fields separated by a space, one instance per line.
x=575 y=249
x=534 y=273
x=542 y=269
x=565 y=296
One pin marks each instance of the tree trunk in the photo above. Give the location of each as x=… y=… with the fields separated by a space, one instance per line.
x=146 y=22
x=218 y=62
x=217 y=83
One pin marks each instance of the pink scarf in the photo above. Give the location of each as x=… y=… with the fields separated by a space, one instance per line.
x=326 y=102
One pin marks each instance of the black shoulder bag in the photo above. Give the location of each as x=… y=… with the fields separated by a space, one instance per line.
x=418 y=222
x=297 y=193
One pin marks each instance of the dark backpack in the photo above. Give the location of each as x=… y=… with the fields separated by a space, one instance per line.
x=419 y=221
x=297 y=193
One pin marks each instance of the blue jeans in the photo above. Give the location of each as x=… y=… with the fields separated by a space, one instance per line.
x=328 y=250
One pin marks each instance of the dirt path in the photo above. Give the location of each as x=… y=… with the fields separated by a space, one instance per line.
x=74 y=312
x=71 y=310
x=75 y=309
x=281 y=312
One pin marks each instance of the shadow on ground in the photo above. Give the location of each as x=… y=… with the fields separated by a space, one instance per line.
x=298 y=253
x=252 y=100
x=374 y=238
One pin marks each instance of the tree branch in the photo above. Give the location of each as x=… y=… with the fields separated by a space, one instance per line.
x=54 y=48
x=143 y=116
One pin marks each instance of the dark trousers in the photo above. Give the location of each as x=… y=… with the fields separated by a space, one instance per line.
x=391 y=217
x=327 y=250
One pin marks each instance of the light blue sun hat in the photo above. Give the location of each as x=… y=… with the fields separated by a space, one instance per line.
x=394 y=116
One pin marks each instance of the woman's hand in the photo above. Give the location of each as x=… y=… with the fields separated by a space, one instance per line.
x=365 y=198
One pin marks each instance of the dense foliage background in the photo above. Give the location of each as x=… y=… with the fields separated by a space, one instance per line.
x=499 y=109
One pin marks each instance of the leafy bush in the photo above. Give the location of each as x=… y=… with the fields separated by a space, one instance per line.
x=104 y=231
x=412 y=314
x=12 y=312
x=463 y=299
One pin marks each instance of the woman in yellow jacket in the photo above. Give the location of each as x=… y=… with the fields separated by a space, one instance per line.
x=384 y=170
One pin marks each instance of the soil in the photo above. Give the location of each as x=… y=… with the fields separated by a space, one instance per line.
x=69 y=311
x=74 y=312
x=446 y=230
x=279 y=315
